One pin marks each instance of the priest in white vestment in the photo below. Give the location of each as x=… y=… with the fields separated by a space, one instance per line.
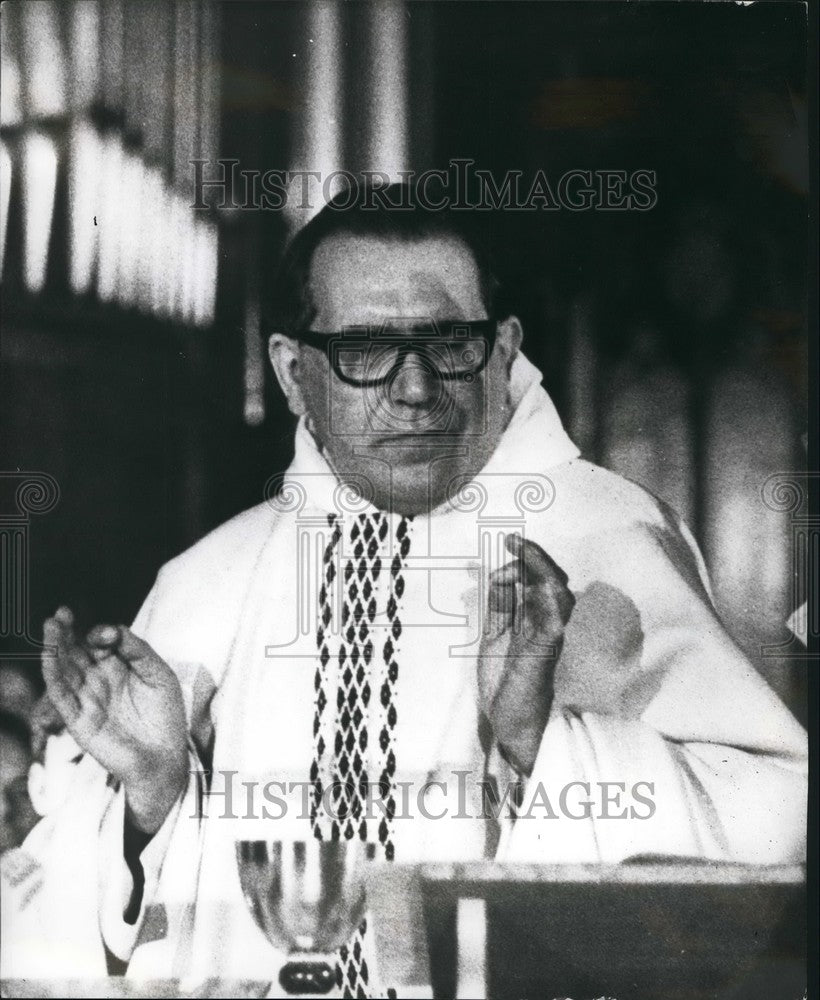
x=439 y=596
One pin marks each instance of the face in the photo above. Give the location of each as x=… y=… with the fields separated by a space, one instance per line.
x=17 y=691
x=411 y=439
x=16 y=815
x=49 y=783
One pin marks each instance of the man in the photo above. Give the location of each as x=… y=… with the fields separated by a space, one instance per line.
x=440 y=592
x=43 y=781
x=16 y=815
x=18 y=688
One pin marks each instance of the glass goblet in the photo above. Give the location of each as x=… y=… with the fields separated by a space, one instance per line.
x=307 y=897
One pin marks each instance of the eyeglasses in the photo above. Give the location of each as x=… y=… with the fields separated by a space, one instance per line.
x=371 y=355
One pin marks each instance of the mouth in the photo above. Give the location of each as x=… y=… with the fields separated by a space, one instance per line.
x=427 y=439
x=411 y=449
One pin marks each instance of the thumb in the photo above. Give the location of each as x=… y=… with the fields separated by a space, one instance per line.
x=539 y=567
x=140 y=657
x=103 y=636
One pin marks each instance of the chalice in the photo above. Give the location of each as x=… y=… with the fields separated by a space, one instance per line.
x=307 y=897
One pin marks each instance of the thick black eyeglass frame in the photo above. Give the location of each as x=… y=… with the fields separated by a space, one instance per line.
x=412 y=339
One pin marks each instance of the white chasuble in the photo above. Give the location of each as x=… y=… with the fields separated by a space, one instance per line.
x=324 y=645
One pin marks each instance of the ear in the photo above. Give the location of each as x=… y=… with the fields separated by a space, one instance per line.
x=508 y=339
x=285 y=357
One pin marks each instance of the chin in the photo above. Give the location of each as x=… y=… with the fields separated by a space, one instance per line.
x=415 y=491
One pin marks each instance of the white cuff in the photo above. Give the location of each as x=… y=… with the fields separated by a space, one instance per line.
x=116 y=883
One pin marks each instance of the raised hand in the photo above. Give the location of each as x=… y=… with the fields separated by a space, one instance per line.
x=123 y=705
x=529 y=605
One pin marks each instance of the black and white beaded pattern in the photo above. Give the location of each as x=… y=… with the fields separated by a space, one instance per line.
x=358 y=632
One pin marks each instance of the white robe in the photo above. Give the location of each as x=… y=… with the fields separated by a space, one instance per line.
x=650 y=691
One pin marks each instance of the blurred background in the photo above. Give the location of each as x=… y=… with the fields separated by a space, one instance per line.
x=674 y=341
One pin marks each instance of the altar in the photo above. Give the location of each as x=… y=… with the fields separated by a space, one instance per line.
x=652 y=929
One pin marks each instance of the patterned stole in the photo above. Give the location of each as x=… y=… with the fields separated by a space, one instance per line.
x=355 y=708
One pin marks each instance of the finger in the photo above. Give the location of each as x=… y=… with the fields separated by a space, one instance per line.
x=539 y=629
x=65 y=616
x=136 y=652
x=45 y=720
x=97 y=689
x=101 y=640
x=93 y=712
x=501 y=597
x=73 y=660
x=59 y=690
x=547 y=600
x=548 y=605
x=109 y=666
x=103 y=637
x=116 y=650
x=107 y=641
x=541 y=615
x=65 y=677
x=58 y=629
x=538 y=566
x=509 y=573
x=501 y=601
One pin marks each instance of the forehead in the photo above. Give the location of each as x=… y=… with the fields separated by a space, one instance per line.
x=358 y=279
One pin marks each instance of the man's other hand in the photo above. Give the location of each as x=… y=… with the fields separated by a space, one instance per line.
x=123 y=705
x=529 y=605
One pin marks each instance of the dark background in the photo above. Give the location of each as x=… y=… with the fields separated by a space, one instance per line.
x=700 y=301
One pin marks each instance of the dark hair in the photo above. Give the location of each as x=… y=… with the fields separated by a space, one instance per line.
x=392 y=213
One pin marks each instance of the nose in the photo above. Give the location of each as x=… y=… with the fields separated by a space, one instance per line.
x=416 y=384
